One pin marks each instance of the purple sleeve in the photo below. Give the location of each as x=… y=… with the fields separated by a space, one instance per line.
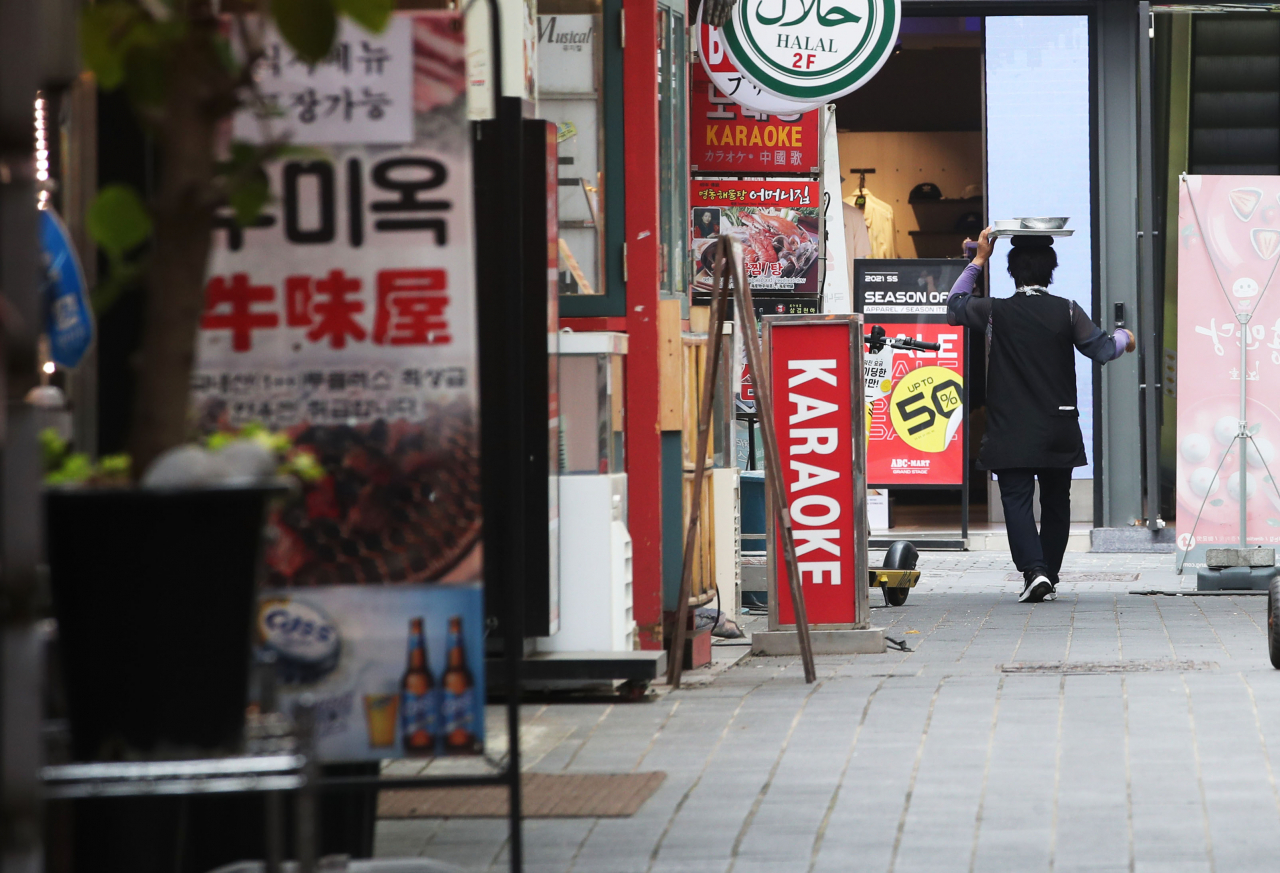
x=962 y=307
x=969 y=278
x=1093 y=342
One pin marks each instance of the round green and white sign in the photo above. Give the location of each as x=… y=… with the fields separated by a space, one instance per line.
x=812 y=51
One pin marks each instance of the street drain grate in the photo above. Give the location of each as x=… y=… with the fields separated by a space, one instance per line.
x=1078 y=667
x=1083 y=577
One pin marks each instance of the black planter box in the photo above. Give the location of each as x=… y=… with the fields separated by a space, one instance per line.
x=154 y=594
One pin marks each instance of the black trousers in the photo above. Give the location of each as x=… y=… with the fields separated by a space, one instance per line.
x=1032 y=549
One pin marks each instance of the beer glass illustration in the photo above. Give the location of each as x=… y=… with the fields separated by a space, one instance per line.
x=381 y=694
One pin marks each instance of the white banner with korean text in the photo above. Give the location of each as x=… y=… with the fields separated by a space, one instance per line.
x=346 y=317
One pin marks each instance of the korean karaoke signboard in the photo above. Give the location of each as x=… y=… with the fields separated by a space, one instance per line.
x=777 y=223
x=725 y=137
x=1228 y=244
x=345 y=317
x=818 y=414
x=917 y=398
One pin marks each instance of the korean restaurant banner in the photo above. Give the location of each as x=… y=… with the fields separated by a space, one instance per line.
x=346 y=317
x=916 y=430
x=393 y=671
x=725 y=137
x=1228 y=242
x=776 y=221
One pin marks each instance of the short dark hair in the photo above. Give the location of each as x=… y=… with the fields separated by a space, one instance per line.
x=1032 y=265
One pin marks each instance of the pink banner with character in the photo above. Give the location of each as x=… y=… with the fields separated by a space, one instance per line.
x=1228 y=248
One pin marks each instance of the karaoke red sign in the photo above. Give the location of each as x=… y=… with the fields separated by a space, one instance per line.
x=810 y=370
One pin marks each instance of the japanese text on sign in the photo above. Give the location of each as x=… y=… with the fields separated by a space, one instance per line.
x=726 y=137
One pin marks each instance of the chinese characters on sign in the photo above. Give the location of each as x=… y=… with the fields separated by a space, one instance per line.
x=346 y=316
x=776 y=222
x=726 y=138
x=362 y=93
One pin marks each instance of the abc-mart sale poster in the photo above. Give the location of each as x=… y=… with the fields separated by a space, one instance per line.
x=345 y=316
x=916 y=423
x=1228 y=243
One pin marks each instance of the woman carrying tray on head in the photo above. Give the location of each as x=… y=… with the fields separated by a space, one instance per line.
x=1033 y=429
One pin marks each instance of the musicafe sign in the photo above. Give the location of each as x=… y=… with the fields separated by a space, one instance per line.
x=812 y=51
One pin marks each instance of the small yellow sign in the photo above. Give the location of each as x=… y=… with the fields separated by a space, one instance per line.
x=927 y=408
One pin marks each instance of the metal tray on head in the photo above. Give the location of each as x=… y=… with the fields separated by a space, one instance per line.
x=1056 y=226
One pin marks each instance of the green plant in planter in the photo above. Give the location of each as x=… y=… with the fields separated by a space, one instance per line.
x=62 y=466
x=174 y=61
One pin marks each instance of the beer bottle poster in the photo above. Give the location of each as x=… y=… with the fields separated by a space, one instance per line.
x=345 y=317
x=395 y=670
x=916 y=429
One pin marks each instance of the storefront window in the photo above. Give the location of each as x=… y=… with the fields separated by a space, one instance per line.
x=1037 y=80
x=673 y=151
x=570 y=79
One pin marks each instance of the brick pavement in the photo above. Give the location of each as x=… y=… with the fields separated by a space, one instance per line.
x=937 y=760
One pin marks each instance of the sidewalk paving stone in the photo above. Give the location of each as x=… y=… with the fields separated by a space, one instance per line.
x=938 y=759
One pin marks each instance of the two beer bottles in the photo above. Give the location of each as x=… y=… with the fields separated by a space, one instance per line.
x=419 y=706
x=459 y=696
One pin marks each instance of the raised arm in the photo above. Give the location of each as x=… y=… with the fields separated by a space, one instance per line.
x=1094 y=343
x=962 y=306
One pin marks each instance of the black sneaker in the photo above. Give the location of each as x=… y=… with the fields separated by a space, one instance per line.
x=1037 y=588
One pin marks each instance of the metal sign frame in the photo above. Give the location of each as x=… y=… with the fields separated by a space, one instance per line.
x=858 y=430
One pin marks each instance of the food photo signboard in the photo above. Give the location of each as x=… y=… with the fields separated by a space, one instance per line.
x=345 y=317
x=917 y=397
x=1228 y=243
x=777 y=223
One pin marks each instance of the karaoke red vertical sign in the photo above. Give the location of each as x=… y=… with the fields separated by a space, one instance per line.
x=810 y=372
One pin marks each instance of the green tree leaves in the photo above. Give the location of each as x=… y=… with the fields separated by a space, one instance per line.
x=118 y=220
x=309 y=26
x=372 y=15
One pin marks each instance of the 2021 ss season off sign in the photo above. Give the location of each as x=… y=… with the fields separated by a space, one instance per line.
x=917 y=398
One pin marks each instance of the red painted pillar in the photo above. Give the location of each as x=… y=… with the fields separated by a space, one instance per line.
x=644 y=443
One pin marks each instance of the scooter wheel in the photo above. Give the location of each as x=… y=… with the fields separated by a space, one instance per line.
x=901 y=555
x=1273 y=622
x=895 y=596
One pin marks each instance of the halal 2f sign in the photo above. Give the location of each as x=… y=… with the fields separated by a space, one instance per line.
x=812 y=51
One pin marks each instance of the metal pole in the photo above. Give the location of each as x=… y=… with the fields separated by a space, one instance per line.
x=1242 y=432
x=773 y=476
x=21 y=667
x=719 y=303
x=1150 y=344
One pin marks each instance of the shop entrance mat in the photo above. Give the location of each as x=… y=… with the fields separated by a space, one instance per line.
x=543 y=795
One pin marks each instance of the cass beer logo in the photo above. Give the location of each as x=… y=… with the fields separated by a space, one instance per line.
x=812 y=50
x=303 y=638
